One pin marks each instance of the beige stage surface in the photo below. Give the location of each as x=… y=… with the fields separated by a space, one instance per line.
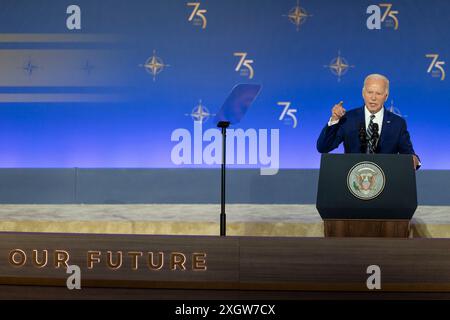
x=194 y=219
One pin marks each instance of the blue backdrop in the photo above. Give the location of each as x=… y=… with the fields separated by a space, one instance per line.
x=94 y=97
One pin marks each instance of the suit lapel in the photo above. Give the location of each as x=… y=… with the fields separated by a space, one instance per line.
x=361 y=120
x=385 y=128
x=361 y=117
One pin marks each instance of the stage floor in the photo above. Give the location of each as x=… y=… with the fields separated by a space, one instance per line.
x=197 y=219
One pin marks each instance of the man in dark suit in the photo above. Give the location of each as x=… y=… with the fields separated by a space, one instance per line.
x=369 y=129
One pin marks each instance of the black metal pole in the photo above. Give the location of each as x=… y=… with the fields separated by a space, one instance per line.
x=223 y=221
x=223 y=217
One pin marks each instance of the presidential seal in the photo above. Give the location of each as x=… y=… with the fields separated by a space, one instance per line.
x=366 y=180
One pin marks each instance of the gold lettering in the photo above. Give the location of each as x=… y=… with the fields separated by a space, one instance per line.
x=36 y=262
x=22 y=257
x=134 y=259
x=110 y=263
x=151 y=263
x=114 y=259
x=199 y=261
x=61 y=258
x=91 y=259
x=177 y=259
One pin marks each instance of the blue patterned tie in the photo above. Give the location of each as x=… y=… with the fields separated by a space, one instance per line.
x=371 y=142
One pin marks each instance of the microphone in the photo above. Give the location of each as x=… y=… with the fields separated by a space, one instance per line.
x=375 y=135
x=363 y=137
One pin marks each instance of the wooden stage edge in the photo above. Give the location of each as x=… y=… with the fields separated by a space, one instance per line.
x=236 y=267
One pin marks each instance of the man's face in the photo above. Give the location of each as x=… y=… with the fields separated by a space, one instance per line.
x=374 y=94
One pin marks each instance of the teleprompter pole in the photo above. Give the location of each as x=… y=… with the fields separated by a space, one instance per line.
x=223 y=222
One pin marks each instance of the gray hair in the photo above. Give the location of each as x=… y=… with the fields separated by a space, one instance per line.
x=377 y=76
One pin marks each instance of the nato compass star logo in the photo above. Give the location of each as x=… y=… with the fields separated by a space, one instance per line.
x=297 y=15
x=200 y=113
x=339 y=66
x=29 y=67
x=87 y=67
x=154 y=65
x=396 y=110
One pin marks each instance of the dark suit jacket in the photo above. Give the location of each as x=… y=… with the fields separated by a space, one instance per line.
x=394 y=136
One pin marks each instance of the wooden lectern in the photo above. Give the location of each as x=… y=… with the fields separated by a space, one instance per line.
x=367 y=195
